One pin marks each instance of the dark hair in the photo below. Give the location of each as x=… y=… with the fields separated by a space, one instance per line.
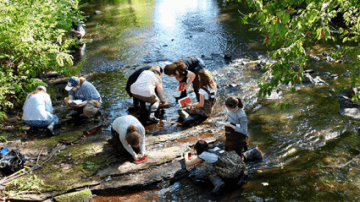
x=133 y=136
x=177 y=66
x=201 y=146
x=206 y=79
x=233 y=101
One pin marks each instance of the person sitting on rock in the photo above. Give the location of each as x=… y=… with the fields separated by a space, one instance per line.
x=83 y=97
x=207 y=99
x=144 y=87
x=184 y=69
x=236 y=127
x=38 y=110
x=131 y=134
x=218 y=164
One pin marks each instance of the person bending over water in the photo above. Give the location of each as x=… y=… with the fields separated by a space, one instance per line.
x=38 y=110
x=217 y=163
x=207 y=98
x=236 y=128
x=144 y=90
x=131 y=134
x=183 y=69
x=87 y=95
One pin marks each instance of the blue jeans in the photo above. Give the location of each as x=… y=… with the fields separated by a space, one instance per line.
x=201 y=64
x=46 y=123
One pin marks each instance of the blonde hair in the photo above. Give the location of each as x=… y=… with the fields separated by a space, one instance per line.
x=37 y=90
x=206 y=79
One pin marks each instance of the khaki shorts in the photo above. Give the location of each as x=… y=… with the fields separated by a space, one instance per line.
x=89 y=109
x=151 y=99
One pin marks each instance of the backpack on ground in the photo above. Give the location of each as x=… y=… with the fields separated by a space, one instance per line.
x=11 y=161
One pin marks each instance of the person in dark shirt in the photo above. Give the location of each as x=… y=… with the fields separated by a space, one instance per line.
x=184 y=69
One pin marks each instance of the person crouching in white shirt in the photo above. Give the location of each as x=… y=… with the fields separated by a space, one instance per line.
x=144 y=89
x=38 y=110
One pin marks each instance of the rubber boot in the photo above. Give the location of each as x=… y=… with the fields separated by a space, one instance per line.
x=50 y=130
x=182 y=95
x=136 y=103
x=218 y=184
x=143 y=111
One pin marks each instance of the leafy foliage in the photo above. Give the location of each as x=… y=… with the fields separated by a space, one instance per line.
x=34 y=39
x=292 y=25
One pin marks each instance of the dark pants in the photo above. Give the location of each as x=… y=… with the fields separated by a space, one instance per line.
x=235 y=141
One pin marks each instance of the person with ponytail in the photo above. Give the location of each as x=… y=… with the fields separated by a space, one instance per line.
x=80 y=89
x=207 y=99
x=131 y=134
x=236 y=128
x=184 y=69
x=38 y=110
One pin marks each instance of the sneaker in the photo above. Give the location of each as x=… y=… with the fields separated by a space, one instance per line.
x=153 y=118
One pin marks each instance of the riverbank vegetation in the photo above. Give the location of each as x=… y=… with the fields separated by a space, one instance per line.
x=291 y=27
x=34 y=39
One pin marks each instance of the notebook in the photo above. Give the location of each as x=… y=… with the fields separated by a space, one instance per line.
x=184 y=100
x=140 y=160
x=182 y=86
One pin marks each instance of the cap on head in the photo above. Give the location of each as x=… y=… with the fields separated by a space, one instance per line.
x=41 y=88
x=73 y=81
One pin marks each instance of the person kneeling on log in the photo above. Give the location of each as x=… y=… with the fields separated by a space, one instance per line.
x=218 y=164
x=83 y=97
x=131 y=134
x=207 y=99
x=236 y=127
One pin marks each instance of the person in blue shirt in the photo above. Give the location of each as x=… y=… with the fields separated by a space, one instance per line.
x=83 y=96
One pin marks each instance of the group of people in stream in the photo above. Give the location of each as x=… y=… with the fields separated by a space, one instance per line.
x=145 y=86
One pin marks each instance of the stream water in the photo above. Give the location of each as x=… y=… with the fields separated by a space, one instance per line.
x=310 y=150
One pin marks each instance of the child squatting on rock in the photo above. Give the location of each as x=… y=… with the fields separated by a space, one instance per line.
x=207 y=98
x=236 y=127
x=38 y=110
x=131 y=134
x=218 y=164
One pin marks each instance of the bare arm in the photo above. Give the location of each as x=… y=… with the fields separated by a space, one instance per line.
x=192 y=76
x=200 y=103
x=160 y=92
x=192 y=161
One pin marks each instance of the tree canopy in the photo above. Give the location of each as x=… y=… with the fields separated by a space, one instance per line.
x=290 y=26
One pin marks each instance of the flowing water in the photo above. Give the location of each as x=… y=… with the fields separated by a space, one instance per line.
x=310 y=150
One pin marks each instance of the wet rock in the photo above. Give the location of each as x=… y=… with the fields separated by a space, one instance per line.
x=326 y=74
x=98 y=12
x=350 y=112
x=333 y=76
x=329 y=59
x=253 y=154
x=339 y=61
x=258 y=67
x=331 y=90
x=346 y=74
x=325 y=54
x=308 y=79
x=309 y=71
x=337 y=47
x=83 y=196
x=314 y=58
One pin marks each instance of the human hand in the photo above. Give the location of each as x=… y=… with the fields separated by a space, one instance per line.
x=136 y=157
x=98 y=104
x=143 y=155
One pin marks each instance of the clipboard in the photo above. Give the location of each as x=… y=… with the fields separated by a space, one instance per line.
x=183 y=101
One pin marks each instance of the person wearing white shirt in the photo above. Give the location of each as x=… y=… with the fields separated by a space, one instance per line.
x=144 y=89
x=38 y=110
x=131 y=134
x=207 y=99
